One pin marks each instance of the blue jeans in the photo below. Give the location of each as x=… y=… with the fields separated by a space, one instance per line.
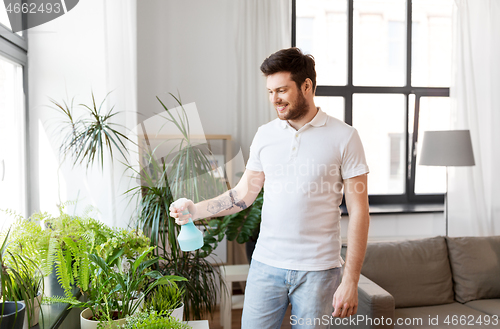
x=269 y=290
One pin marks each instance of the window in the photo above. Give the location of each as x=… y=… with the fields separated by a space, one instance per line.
x=384 y=68
x=13 y=120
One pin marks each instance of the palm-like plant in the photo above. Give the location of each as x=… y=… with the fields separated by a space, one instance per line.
x=186 y=173
x=88 y=138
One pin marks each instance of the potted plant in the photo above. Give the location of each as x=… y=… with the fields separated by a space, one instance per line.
x=115 y=290
x=154 y=320
x=87 y=139
x=73 y=239
x=11 y=312
x=24 y=283
x=187 y=172
x=167 y=298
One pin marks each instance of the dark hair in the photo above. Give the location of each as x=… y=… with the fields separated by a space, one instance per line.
x=294 y=61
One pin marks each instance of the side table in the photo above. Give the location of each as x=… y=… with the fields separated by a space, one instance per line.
x=203 y=324
x=230 y=274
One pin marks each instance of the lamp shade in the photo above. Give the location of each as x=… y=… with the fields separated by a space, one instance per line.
x=447 y=148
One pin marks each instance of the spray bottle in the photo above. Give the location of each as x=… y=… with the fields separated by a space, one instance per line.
x=190 y=238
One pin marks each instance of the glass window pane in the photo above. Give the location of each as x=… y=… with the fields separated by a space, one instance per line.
x=435 y=114
x=379 y=43
x=333 y=106
x=380 y=121
x=322 y=31
x=431 y=43
x=12 y=141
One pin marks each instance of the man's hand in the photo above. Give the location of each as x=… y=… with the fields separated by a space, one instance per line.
x=177 y=207
x=345 y=300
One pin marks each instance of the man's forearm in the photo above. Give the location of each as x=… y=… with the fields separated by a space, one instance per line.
x=357 y=237
x=223 y=205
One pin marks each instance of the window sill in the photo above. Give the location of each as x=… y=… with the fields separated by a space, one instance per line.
x=391 y=209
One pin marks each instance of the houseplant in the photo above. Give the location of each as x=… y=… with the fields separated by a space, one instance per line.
x=186 y=172
x=115 y=290
x=74 y=239
x=25 y=256
x=11 y=313
x=167 y=298
x=24 y=283
x=151 y=319
x=87 y=137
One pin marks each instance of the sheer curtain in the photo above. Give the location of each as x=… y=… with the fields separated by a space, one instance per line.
x=474 y=192
x=121 y=78
x=263 y=27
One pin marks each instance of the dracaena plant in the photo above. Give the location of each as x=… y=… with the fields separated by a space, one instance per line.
x=184 y=172
x=90 y=136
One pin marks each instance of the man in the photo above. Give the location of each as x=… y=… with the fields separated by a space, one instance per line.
x=303 y=159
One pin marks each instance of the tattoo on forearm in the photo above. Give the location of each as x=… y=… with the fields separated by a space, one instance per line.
x=226 y=202
x=235 y=201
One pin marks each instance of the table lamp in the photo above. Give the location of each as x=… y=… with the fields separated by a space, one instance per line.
x=447 y=148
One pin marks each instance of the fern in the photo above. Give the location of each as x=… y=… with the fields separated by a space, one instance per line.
x=84 y=273
x=60 y=299
x=62 y=274
x=48 y=256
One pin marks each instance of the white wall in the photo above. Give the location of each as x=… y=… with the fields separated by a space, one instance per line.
x=187 y=47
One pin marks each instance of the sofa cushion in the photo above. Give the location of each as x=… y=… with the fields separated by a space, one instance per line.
x=488 y=306
x=416 y=273
x=475 y=264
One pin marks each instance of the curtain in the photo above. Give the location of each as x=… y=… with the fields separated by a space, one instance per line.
x=120 y=40
x=474 y=192
x=263 y=27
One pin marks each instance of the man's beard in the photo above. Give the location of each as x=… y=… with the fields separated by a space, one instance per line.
x=299 y=110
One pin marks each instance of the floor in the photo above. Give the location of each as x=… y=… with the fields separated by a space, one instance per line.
x=236 y=320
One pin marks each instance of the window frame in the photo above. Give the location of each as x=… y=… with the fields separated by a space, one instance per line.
x=409 y=197
x=15 y=48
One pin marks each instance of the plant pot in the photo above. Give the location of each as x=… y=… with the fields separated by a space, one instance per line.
x=85 y=323
x=178 y=312
x=36 y=312
x=10 y=319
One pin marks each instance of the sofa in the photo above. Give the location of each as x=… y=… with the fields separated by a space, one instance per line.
x=430 y=283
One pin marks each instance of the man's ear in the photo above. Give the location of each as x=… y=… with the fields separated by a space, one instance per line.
x=307 y=86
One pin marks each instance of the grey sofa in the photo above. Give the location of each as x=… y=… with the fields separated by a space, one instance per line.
x=430 y=283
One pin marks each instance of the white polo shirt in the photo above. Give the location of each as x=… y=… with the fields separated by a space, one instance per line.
x=304 y=171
